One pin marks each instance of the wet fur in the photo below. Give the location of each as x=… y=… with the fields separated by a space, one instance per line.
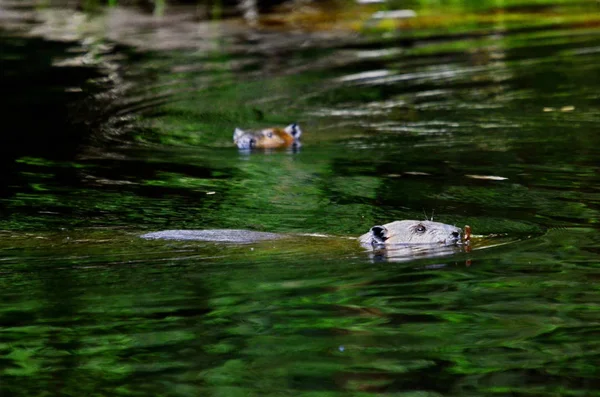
x=411 y=232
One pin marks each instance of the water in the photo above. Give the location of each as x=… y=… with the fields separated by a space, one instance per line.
x=477 y=115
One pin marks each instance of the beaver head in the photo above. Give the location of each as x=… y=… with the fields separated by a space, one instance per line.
x=411 y=232
x=268 y=137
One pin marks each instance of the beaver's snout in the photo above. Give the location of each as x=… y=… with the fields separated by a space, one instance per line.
x=246 y=142
x=455 y=237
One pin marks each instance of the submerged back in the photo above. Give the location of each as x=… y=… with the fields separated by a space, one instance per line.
x=217 y=235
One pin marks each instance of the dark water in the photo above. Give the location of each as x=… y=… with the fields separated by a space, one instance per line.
x=115 y=124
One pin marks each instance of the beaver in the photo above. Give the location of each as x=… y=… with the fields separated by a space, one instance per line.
x=268 y=138
x=398 y=233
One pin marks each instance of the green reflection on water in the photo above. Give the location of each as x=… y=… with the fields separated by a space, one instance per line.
x=94 y=310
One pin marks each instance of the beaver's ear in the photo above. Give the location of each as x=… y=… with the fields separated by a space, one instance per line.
x=237 y=134
x=294 y=130
x=380 y=234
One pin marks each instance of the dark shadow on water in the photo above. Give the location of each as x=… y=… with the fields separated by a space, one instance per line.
x=36 y=100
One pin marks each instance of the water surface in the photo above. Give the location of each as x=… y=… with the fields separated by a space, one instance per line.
x=476 y=115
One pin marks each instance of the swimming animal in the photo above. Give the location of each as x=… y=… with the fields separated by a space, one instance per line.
x=389 y=235
x=268 y=138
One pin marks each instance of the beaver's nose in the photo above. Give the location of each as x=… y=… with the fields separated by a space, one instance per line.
x=251 y=143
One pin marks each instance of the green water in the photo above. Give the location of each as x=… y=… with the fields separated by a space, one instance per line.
x=108 y=134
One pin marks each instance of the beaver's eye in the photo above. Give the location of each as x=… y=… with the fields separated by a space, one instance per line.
x=269 y=134
x=420 y=229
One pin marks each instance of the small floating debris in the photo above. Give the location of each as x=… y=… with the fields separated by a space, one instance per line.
x=412 y=173
x=416 y=173
x=394 y=14
x=467 y=234
x=372 y=74
x=209 y=193
x=568 y=108
x=487 y=177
